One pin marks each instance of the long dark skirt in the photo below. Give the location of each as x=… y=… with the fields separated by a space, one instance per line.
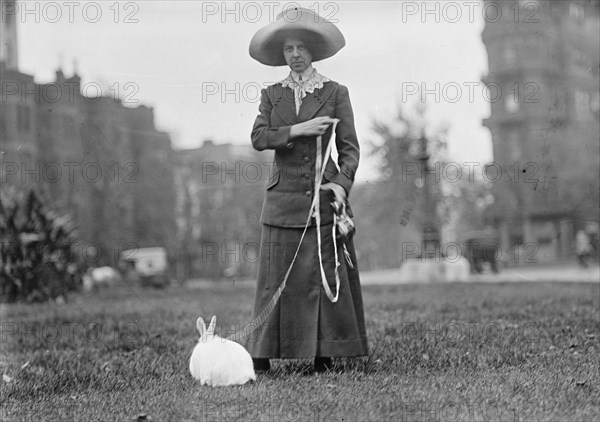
x=305 y=323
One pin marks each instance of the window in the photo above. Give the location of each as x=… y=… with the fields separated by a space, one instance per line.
x=68 y=127
x=3 y=131
x=516 y=240
x=514 y=145
x=580 y=59
x=511 y=103
x=576 y=11
x=582 y=104
x=23 y=118
x=595 y=102
x=556 y=100
x=509 y=54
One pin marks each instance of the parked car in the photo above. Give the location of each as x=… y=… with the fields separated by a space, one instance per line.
x=480 y=248
x=149 y=265
x=100 y=277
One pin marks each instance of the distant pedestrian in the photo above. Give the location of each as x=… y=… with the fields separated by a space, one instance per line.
x=583 y=248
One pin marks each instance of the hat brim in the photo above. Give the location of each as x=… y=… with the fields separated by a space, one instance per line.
x=322 y=37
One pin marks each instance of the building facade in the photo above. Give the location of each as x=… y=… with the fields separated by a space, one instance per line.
x=9 y=53
x=543 y=87
x=220 y=191
x=97 y=159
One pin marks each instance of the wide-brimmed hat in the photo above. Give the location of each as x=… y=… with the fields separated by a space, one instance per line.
x=322 y=38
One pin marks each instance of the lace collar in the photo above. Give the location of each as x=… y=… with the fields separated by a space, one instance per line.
x=314 y=81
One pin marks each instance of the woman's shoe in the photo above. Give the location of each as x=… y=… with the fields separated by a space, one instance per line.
x=323 y=364
x=261 y=364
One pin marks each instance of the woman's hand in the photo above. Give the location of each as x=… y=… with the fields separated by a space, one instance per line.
x=314 y=127
x=339 y=191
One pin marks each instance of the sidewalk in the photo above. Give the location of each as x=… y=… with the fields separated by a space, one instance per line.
x=563 y=273
x=570 y=272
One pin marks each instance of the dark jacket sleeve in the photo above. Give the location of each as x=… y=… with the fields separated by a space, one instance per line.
x=263 y=135
x=346 y=141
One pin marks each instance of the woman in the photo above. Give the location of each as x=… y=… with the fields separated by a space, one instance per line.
x=293 y=113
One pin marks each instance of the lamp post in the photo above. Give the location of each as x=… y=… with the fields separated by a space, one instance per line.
x=430 y=231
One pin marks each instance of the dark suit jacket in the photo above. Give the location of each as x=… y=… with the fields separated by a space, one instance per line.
x=291 y=181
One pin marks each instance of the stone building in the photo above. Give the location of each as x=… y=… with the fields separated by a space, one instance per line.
x=98 y=159
x=220 y=190
x=544 y=83
x=102 y=162
x=9 y=52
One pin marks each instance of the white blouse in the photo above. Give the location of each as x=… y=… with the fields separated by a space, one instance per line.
x=311 y=80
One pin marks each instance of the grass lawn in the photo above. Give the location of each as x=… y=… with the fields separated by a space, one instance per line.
x=439 y=352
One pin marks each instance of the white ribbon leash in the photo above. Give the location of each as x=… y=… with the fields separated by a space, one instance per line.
x=320 y=170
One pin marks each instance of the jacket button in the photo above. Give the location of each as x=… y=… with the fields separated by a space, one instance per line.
x=307 y=193
x=305 y=158
x=306 y=176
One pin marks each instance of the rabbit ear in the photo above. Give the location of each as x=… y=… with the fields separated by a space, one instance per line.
x=211 y=326
x=201 y=327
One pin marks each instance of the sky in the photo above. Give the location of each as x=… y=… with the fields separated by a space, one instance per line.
x=189 y=61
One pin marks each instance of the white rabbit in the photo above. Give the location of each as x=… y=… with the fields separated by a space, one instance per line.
x=216 y=361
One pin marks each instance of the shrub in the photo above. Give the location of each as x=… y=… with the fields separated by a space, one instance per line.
x=38 y=261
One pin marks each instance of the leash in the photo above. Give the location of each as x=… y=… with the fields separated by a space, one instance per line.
x=320 y=169
x=242 y=335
